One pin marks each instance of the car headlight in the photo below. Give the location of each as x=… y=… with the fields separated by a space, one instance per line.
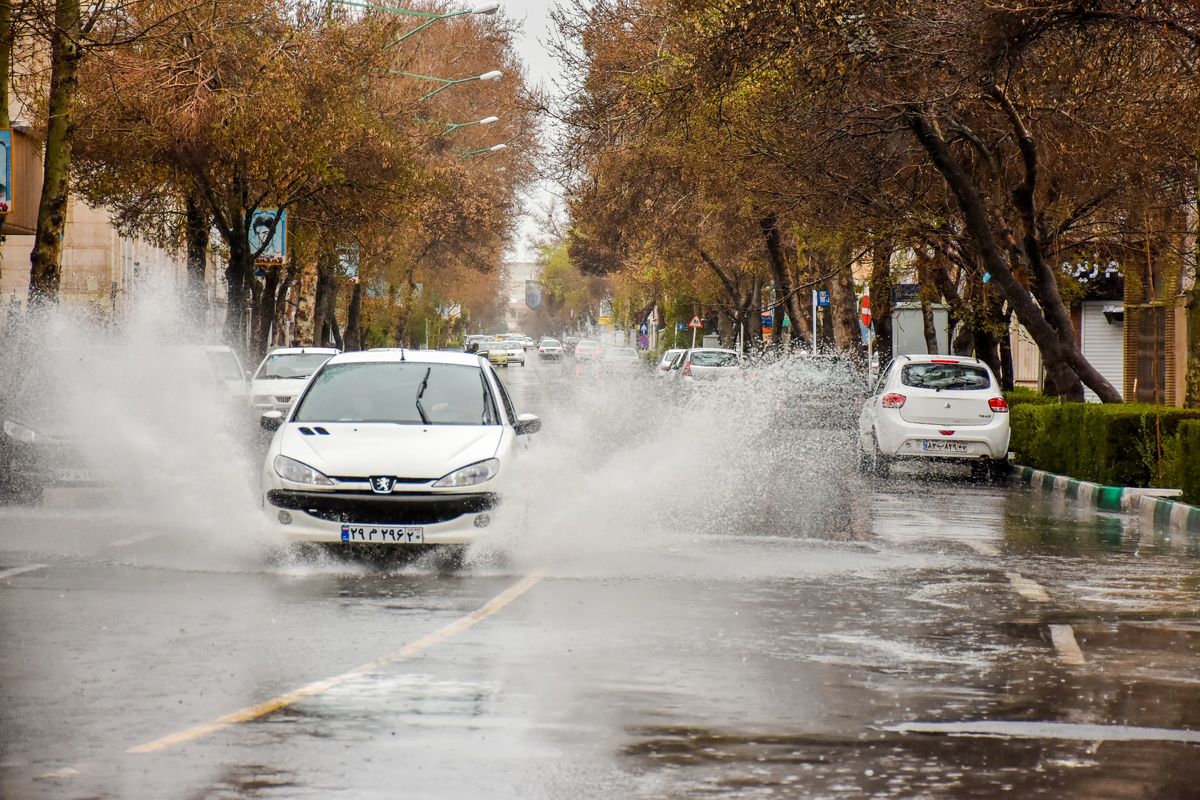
x=292 y=470
x=470 y=475
x=19 y=432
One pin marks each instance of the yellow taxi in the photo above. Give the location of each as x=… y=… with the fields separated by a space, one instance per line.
x=497 y=353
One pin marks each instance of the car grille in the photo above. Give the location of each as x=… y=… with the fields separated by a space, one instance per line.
x=394 y=509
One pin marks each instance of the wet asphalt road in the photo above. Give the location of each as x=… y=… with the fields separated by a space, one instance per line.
x=693 y=609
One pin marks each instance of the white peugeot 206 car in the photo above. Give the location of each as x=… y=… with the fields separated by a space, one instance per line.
x=282 y=374
x=936 y=407
x=399 y=447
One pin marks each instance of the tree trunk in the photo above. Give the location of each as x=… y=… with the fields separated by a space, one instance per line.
x=264 y=314
x=326 y=264
x=6 y=48
x=881 y=301
x=196 y=234
x=235 y=289
x=1192 y=377
x=789 y=296
x=354 y=319
x=45 y=260
x=283 y=303
x=1007 y=376
x=1065 y=366
x=844 y=306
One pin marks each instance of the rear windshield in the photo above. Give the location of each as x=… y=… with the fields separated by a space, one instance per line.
x=406 y=393
x=710 y=359
x=944 y=376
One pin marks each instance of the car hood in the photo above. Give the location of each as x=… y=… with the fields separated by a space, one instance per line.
x=278 y=386
x=405 y=451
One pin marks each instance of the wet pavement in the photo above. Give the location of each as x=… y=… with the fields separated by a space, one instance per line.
x=693 y=607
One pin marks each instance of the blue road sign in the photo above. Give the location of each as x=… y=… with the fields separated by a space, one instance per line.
x=823 y=298
x=643 y=329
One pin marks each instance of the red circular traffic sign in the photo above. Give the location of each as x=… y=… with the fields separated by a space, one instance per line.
x=864 y=310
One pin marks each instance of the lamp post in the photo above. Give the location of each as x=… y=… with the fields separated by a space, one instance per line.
x=430 y=17
x=496 y=148
x=453 y=126
x=446 y=83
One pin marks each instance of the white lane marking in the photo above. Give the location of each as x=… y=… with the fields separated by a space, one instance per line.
x=1063 y=637
x=65 y=772
x=141 y=537
x=8 y=573
x=1028 y=589
x=982 y=548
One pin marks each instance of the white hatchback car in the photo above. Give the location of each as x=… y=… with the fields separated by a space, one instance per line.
x=282 y=374
x=936 y=407
x=401 y=447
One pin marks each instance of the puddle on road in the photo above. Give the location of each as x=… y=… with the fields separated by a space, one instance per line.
x=1079 y=732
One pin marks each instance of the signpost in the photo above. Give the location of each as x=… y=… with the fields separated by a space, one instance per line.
x=820 y=299
x=864 y=313
x=695 y=325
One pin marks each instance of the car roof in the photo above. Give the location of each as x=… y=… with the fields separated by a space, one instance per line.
x=928 y=357
x=383 y=355
x=711 y=350
x=291 y=351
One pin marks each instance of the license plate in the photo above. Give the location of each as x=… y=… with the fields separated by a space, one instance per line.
x=943 y=446
x=383 y=533
x=76 y=476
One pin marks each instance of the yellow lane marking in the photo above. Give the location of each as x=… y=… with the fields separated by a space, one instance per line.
x=144 y=537
x=1063 y=637
x=1028 y=589
x=8 y=573
x=284 y=700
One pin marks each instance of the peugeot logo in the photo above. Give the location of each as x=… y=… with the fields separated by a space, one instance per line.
x=382 y=484
x=947 y=405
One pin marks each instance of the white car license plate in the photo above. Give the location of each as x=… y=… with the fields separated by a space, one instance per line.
x=76 y=476
x=383 y=533
x=943 y=446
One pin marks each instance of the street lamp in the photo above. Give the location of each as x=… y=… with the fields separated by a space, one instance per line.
x=496 y=148
x=446 y=83
x=453 y=126
x=430 y=17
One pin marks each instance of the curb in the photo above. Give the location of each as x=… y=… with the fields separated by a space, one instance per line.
x=1156 y=506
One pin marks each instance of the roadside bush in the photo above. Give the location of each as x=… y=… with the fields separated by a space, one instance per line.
x=1187 y=465
x=1115 y=445
x=1020 y=396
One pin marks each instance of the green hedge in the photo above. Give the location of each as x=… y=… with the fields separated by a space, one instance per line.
x=1020 y=396
x=1114 y=445
x=1187 y=465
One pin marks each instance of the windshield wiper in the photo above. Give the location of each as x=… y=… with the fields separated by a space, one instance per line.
x=420 y=392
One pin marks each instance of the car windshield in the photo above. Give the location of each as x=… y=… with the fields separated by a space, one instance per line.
x=290 y=365
x=550 y=342
x=225 y=365
x=710 y=358
x=944 y=376
x=400 y=392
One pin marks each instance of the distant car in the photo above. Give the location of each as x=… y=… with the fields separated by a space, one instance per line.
x=707 y=364
x=817 y=392
x=530 y=343
x=569 y=344
x=948 y=408
x=621 y=358
x=472 y=342
x=68 y=422
x=516 y=351
x=664 y=363
x=402 y=448
x=495 y=352
x=282 y=374
x=587 y=349
x=550 y=349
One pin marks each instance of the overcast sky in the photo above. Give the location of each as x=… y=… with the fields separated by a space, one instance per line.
x=534 y=16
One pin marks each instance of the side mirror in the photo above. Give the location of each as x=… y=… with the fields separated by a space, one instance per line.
x=271 y=420
x=527 y=423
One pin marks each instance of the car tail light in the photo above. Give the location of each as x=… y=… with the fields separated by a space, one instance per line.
x=894 y=400
x=946 y=433
x=687 y=369
x=999 y=405
x=541 y=349
x=943 y=361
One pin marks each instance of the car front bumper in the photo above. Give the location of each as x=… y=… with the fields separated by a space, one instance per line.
x=319 y=517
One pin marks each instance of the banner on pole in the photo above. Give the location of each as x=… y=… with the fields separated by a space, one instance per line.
x=268 y=236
